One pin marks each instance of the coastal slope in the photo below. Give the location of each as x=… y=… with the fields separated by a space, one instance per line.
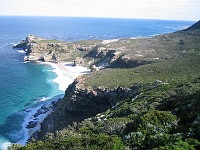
x=124 y=53
x=147 y=97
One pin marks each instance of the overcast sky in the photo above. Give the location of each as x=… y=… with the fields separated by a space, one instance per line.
x=150 y=9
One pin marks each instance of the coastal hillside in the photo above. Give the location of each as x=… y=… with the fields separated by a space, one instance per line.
x=145 y=97
x=124 y=53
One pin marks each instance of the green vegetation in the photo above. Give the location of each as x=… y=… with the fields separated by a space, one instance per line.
x=87 y=42
x=49 y=41
x=73 y=140
x=170 y=70
x=161 y=117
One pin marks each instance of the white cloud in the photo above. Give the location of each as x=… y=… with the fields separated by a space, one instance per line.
x=158 y=9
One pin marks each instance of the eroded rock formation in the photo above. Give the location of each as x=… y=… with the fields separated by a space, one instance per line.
x=80 y=103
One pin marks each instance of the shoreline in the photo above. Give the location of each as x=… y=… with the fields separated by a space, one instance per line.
x=66 y=74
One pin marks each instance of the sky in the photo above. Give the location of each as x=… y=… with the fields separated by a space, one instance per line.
x=148 y=9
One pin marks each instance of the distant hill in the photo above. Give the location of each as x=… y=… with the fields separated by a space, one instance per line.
x=194 y=26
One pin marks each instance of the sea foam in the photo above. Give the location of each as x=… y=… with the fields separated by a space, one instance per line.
x=66 y=74
x=5 y=145
x=21 y=51
x=37 y=113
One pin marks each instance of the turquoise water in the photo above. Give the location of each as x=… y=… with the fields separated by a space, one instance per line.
x=23 y=84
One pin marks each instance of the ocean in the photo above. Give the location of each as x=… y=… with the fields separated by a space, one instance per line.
x=22 y=85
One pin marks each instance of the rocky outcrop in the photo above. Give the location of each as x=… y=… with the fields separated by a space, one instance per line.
x=40 y=49
x=88 y=54
x=80 y=103
x=103 y=56
x=86 y=47
x=127 y=61
x=31 y=124
x=21 y=44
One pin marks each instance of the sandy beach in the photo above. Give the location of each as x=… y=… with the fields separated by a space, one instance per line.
x=66 y=73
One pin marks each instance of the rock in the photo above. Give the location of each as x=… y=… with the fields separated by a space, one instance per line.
x=31 y=58
x=79 y=61
x=97 y=52
x=74 y=63
x=82 y=48
x=94 y=68
x=39 y=49
x=55 y=57
x=127 y=61
x=31 y=124
x=42 y=110
x=85 y=48
x=158 y=82
x=21 y=45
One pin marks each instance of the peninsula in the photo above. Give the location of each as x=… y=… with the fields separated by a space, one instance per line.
x=144 y=96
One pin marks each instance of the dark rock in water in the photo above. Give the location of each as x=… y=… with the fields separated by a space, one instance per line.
x=22 y=45
x=42 y=110
x=53 y=102
x=31 y=124
x=74 y=63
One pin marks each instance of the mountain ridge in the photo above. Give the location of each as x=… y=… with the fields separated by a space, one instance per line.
x=194 y=26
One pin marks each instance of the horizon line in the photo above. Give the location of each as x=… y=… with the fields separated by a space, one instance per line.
x=97 y=17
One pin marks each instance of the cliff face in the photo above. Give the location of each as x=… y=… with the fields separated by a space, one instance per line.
x=40 y=49
x=120 y=53
x=80 y=103
x=87 y=53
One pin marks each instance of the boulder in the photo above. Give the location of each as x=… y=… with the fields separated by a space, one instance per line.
x=94 y=68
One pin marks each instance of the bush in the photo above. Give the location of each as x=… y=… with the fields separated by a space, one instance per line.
x=178 y=145
x=151 y=129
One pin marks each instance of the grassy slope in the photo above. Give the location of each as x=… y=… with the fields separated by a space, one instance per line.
x=170 y=70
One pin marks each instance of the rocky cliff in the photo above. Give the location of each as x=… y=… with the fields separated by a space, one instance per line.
x=40 y=49
x=80 y=103
x=118 y=53
x=87 y=53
